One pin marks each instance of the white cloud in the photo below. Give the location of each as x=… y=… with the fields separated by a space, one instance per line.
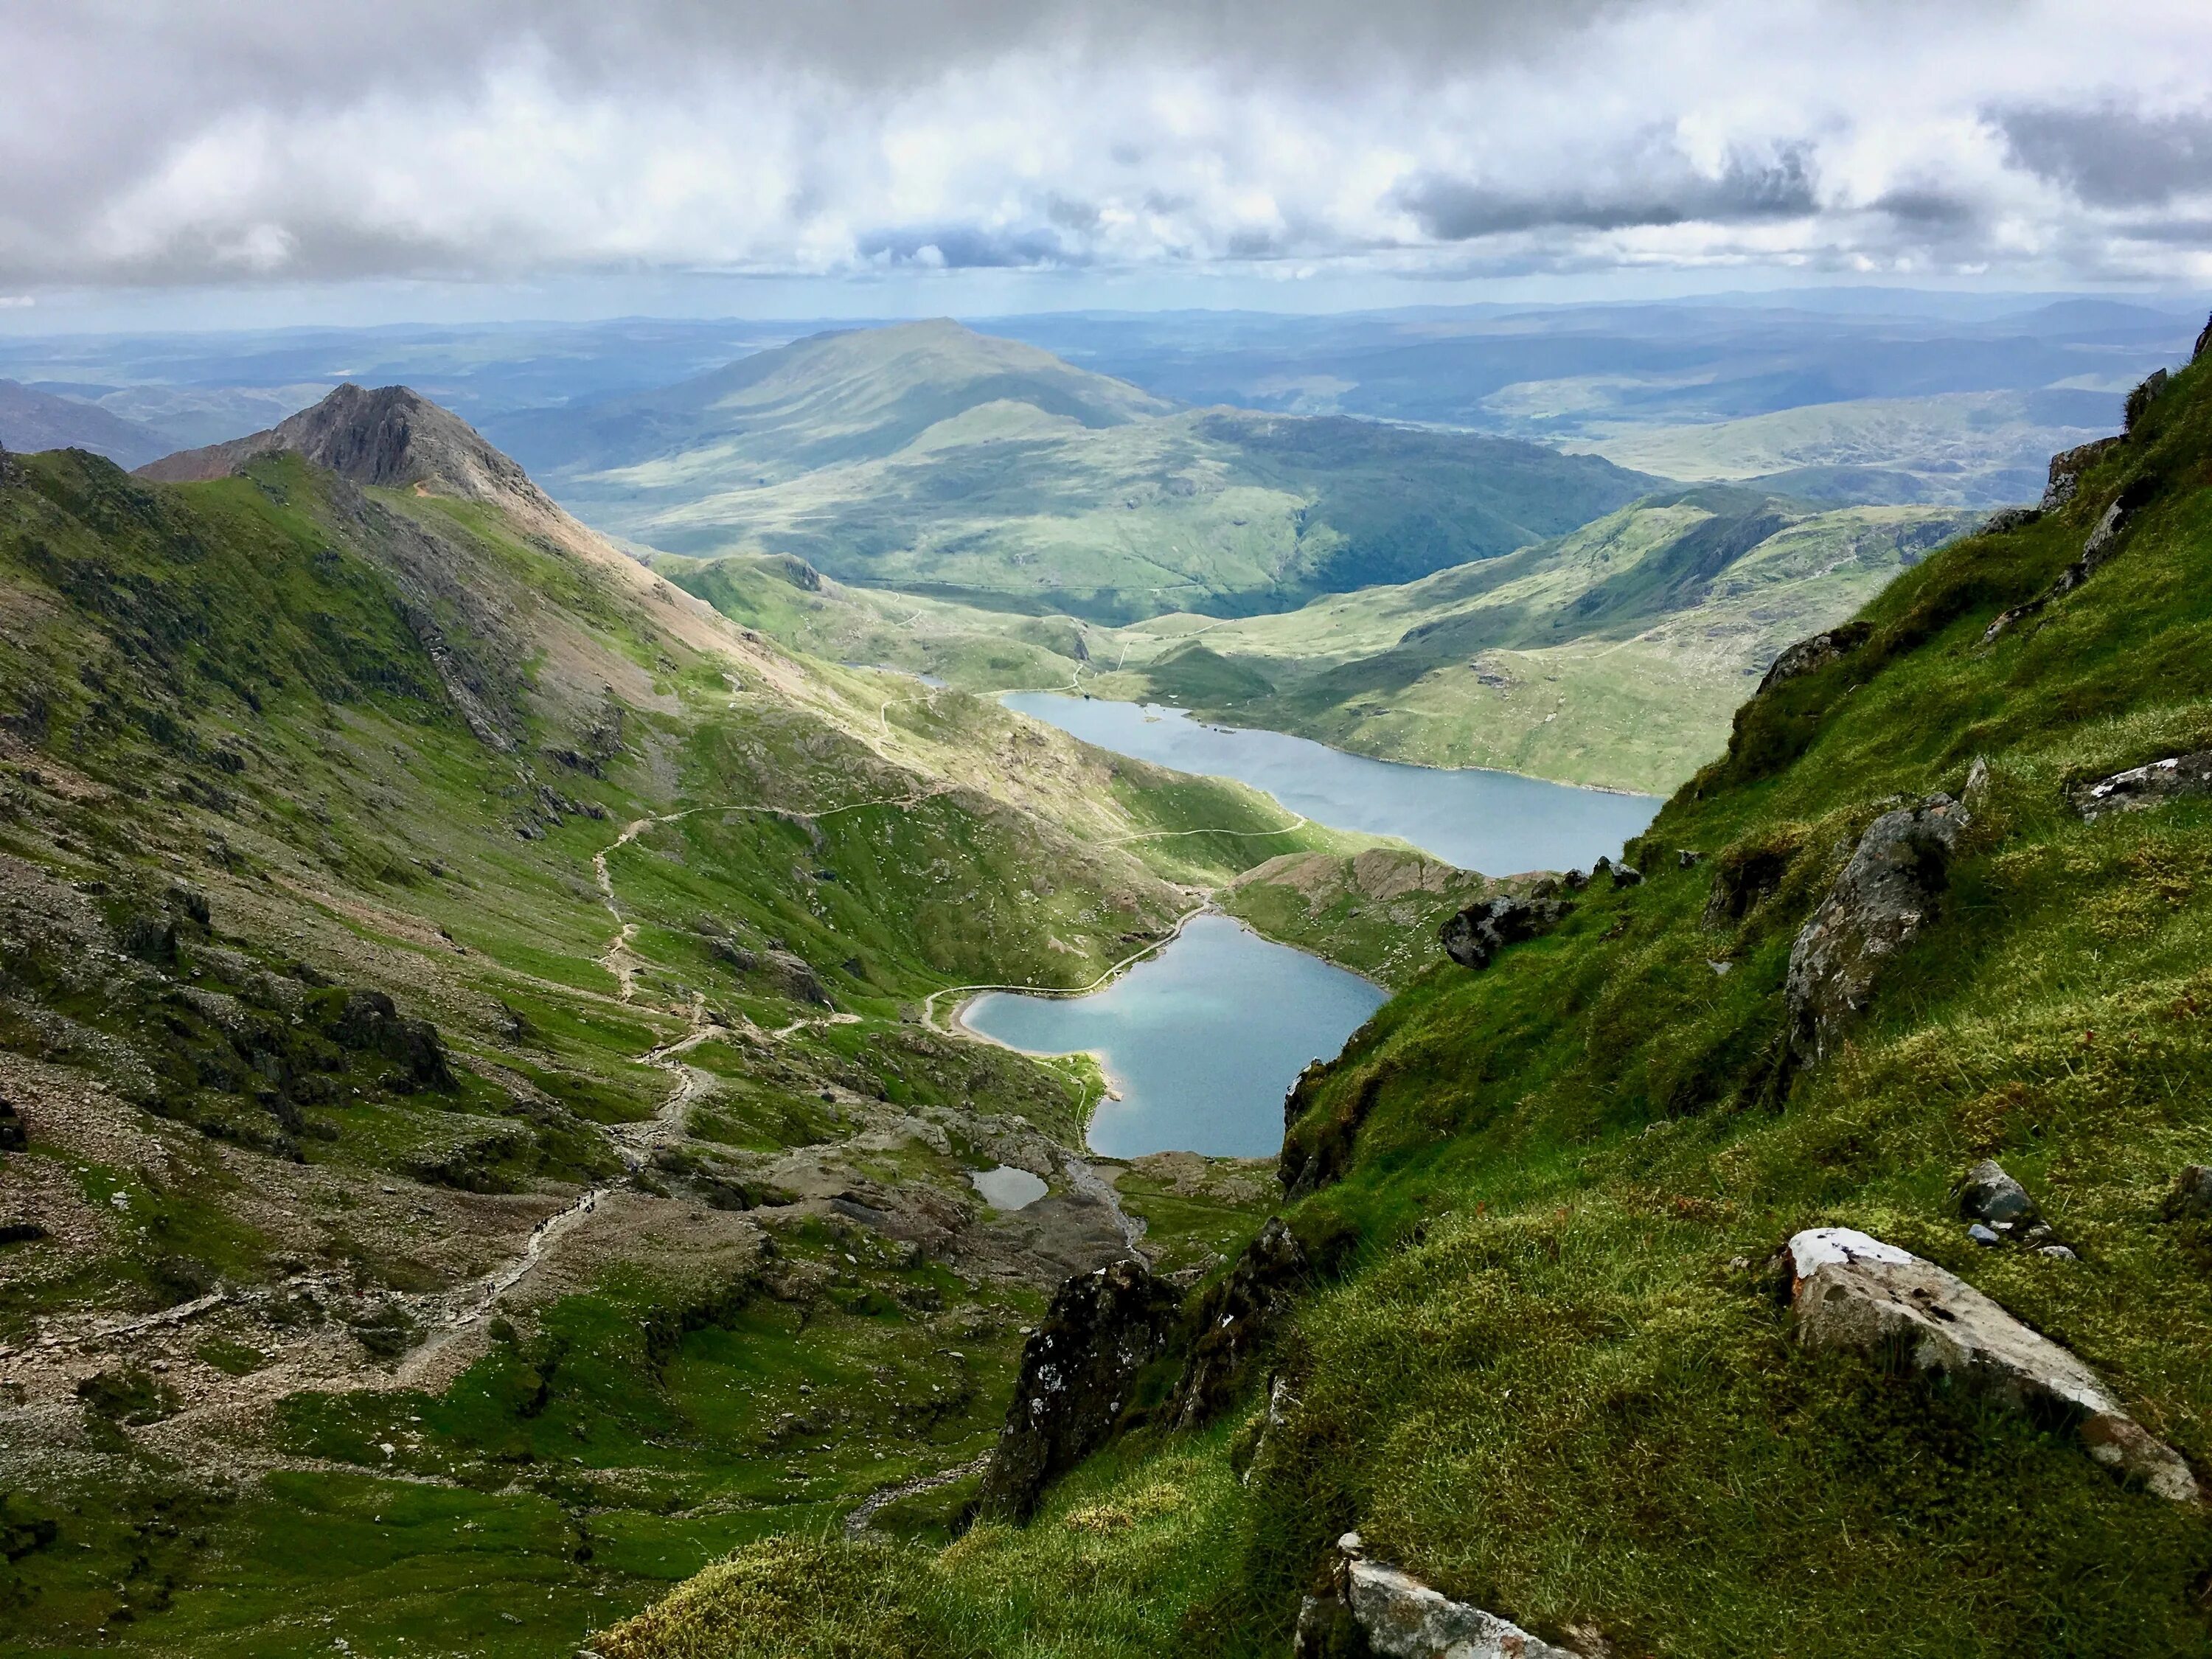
x=163 y=144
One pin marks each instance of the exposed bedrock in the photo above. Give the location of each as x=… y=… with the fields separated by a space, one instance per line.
x=1076 y=1374
x=1886 y=894
x=2154 y=785
x=1849 y=1290
x=1368 y=1611
x=1236 y=1322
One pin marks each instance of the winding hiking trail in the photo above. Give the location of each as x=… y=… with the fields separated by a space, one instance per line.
x=857 y=1521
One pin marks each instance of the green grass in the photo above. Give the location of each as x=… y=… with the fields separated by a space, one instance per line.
x=1555 y=1374
x=1614 y=655
x=217 y=687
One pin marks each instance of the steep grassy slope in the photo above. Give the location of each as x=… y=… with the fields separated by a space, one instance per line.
x=1546 y=1365
x=471 y=1152
x=927 y=457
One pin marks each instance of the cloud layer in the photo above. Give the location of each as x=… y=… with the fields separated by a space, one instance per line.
x=150 y=143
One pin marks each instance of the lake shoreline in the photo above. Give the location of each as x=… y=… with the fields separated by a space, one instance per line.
x=1480 y=819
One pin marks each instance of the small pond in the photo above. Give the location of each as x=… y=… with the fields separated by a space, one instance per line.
x=1006 y=1188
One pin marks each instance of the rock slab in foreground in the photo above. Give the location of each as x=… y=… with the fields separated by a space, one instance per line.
x=1372 y=1609
x=1850 y=1289
x=1884 y=897
x=1103 y=1327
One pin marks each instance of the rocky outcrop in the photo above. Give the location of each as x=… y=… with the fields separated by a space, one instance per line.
x=2203 y=343
x=1849 y=1290
x=1885 y=896
x=2067 y=468
x=1077 y=1372
x=1809 y=655
x=2143 y=786
x=1364 y=1609
x=2010 y=518
x=1236 y=1320
x=2140 y=399
x=1475 y=936
x=2103 y=542
x=795 y=978
x=1317 y=1145
x=369 y=1023
x=1999 y=1210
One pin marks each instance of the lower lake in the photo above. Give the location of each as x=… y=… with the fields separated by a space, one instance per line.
x=1201 y=1041
x=1497 y=823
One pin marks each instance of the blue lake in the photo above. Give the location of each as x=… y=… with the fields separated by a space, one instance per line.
x=1497 y=823
x=1201 y=1041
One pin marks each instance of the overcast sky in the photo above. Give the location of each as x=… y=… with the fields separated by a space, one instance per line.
x=1085 y=148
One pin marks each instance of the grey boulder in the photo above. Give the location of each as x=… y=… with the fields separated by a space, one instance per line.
x=1885 y=896
x=1373 y=1609
x=1850 y=1289
x=2146 y=786
x=1475 y=936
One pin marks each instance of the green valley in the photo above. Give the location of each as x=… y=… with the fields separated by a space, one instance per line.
x=1614 y=655
x=1575 y=1312
x=927 y=458
x=468 y=1120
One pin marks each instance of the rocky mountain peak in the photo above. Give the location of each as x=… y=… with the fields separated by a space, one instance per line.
x=389 y=437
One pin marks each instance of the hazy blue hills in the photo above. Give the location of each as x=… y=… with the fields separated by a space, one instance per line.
x=33 y=419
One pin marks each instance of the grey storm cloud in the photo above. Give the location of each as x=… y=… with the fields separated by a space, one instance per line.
x=2113 y=157
x=1671 y=193
x=172 y=142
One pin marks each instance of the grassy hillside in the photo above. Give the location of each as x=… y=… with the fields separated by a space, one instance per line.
x=470 y=1150
x=928 y=458
x=1545 y=1364
x=1614 y=655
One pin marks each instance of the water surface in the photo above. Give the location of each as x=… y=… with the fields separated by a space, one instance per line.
x=1201 y=1041
x=1497 y=823
x=1006 y=1188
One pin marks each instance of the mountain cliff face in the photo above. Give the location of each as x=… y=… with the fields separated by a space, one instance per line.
x=465 y=1088
x=1912 y=979
x=390 y=438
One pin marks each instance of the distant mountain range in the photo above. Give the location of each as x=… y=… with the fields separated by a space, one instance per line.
x=32 y=420
x=930 y=458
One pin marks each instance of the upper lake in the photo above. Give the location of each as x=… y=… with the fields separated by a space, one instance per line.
x=1200 y=1041
x=1497 y=823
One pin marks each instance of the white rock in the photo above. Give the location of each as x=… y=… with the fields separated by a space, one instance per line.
x=1404 y=1618
x=1853 y=1290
